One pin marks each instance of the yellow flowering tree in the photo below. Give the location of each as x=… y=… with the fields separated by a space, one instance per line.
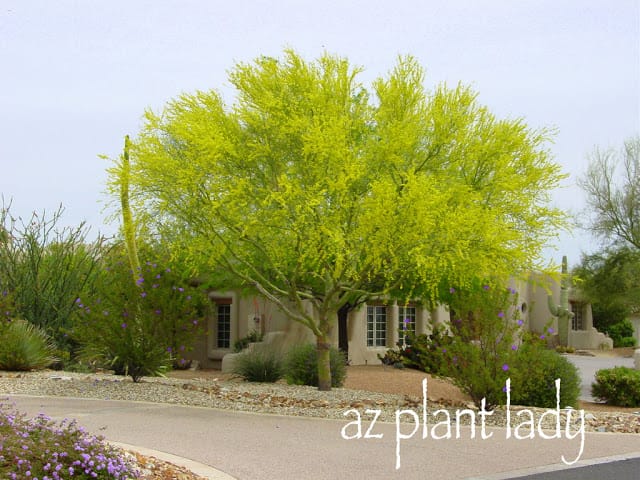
x=319 y=193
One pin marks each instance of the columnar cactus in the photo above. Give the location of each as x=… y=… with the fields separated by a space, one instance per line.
x=562 y=310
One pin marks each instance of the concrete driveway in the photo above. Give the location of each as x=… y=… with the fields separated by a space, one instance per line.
x=588 y=366
x=267 y=447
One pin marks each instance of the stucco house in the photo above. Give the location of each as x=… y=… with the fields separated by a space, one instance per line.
x=374 y=327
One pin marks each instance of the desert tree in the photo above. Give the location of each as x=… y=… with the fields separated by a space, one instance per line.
x=320 y=193
x=612 y=186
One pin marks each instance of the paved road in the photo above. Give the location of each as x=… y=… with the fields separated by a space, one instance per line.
x=269 y=447
x=588 y=367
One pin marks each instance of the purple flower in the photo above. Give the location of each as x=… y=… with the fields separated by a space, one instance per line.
x=550 y=331
x=181 y=289
x=155 y=285
x=158 y=276
x=169 y=349
x=485 y=287
x=514 y=347
x=139 y=281
x=500 y=314
x=452 y=290
x=542 y=337
x=143 y=294
x=158 y=312
x=520 y=323
x=195 y=322
x=505 y=367
x=123 y=325
x=168 y=270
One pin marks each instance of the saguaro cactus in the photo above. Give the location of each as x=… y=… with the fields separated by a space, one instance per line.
x=562 y=310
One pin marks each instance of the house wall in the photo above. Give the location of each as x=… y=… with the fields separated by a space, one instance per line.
x=256 y=313
x=635 y=321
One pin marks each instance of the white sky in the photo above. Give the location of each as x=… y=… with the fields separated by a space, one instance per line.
x=76 y=76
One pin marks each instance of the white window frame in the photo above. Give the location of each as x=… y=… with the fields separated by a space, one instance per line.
x=377 y=317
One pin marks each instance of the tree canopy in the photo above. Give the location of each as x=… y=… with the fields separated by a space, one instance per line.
x=314 y=190
x=612 y=186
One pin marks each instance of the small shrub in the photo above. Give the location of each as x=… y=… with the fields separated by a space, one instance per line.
x=302 y=366
x=619 y=332
x=627 y=342
x=259 y=365
x=391 y=357
x=242 y=343
x=618 y=386
x=24 y=347
x=533 y=375
x=427 y=353
x=40 y=448
x=563 y=349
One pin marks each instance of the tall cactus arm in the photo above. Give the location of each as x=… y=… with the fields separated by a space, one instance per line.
x=553 y=307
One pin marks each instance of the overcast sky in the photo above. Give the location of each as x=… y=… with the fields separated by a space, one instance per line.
x=76 y=76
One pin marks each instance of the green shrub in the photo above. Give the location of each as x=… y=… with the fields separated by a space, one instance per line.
x=428 y=353
x=563 y=349
x=45 y=266
x=260 y=365
x=302 y=366
x=627 y=342
x=533 y=375
x=24 y=346
x=619 y=332
x=618 y=386
x=242 y=343
x=391 y=357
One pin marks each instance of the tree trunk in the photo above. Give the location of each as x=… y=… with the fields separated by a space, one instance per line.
x=324 y=363
x=343 y=333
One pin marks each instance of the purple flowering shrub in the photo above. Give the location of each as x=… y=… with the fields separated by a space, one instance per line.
x=38 y=448
x=485 y=344
x=485 y=339
x=140 y=327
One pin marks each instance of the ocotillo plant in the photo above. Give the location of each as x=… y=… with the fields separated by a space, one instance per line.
x=562 y=310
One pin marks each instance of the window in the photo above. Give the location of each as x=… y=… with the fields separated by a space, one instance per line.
x=576 y=321
x=407 y=323
x=376 y=326
x=223 y=323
